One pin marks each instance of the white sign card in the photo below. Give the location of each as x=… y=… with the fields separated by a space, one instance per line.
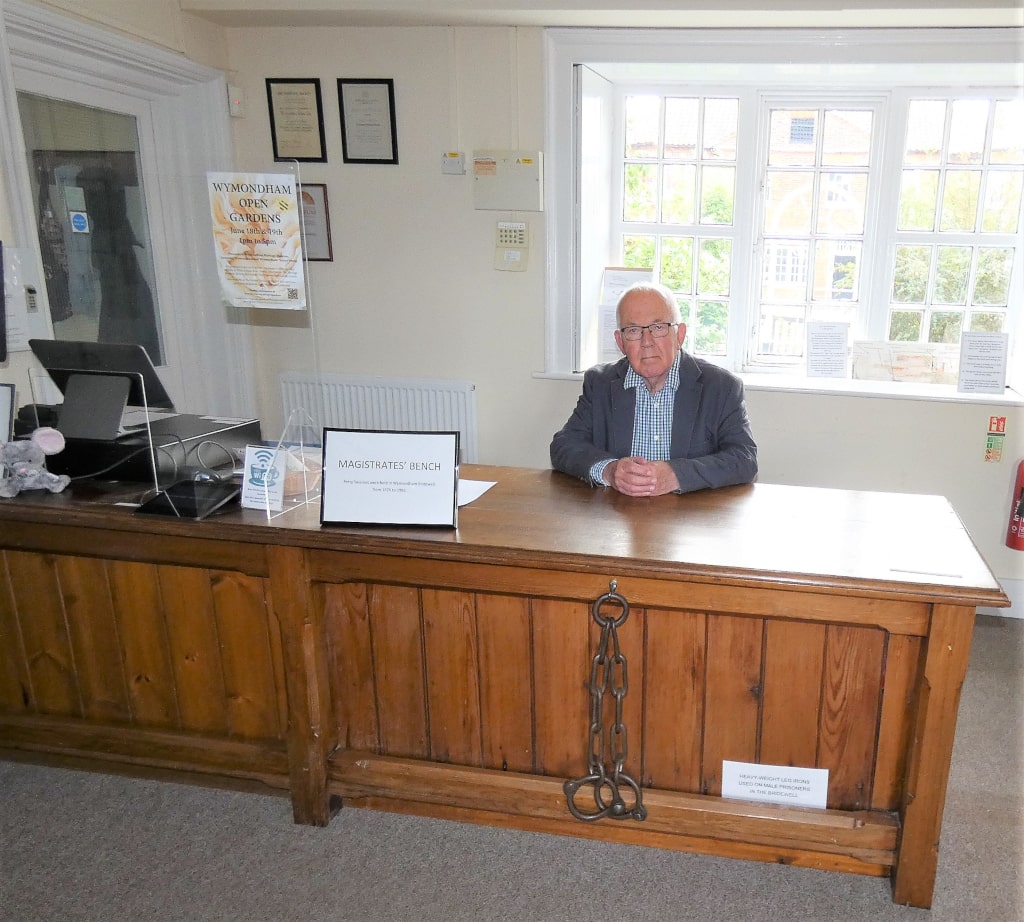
x=779 y=784
x=827 y=350
x=390 y=478
x=263 y=478
x=983 y=363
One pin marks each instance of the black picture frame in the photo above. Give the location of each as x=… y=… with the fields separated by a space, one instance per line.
x=369 y=129
x=296 y=112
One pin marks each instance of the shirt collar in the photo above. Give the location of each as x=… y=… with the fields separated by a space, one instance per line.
x=671 y=382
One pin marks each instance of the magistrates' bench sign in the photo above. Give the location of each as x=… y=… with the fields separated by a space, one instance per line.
x=390 y=478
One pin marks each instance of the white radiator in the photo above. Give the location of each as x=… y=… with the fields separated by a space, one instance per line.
x=371 y=402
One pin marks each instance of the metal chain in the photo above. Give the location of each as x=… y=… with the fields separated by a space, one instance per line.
x=608 y=673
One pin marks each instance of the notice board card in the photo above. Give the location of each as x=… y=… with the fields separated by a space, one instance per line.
x=389 y=478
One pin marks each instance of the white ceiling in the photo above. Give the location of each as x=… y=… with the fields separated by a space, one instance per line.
x=610 y=13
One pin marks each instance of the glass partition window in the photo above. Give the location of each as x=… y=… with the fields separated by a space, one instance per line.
x=90 y=209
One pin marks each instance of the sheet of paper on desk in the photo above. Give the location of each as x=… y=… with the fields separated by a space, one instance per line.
x=470 y=490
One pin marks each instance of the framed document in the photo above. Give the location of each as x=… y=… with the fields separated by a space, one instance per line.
x=296 y=119
x=389 y=478
x=315 y=222
x=368 y=128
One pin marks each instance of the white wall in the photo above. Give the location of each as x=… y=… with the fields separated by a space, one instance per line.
x=411 y=290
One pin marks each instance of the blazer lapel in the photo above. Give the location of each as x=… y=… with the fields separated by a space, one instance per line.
x=687 y=402
x=623 y=403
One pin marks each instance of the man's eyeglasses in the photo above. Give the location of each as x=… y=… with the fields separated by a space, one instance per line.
x=657 y=330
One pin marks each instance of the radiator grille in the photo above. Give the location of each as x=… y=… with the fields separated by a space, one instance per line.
x=372 y=402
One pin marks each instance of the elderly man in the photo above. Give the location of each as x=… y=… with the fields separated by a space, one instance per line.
x=658 y=420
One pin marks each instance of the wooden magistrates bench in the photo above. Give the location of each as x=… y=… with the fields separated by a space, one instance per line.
x=446 y=673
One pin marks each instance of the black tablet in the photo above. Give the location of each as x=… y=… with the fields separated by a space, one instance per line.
x=191 y=499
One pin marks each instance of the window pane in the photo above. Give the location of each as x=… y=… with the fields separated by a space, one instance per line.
x=836 y=265
x=789 y=199
x=720 y=123
x=841 y=202
x=642 y=117
x=1002 y=202
x=640 y=202
x=681 y=120
x=926 y=121
x=846 y=140
x=714 y=267
x=945 y=327
x=987 y=322
x=679 y=193
x=967 y=130
x=717 y=194
x=781 y=331
x=905 y=326
x=791 y=142
x=638 y=251
x=712 y=332
x=1008 y=132
x=676 y=268
x=960 y=200
x=785 y=271
x=910 y=279
x=952 y=270
x=992 y=283
x=919 y=194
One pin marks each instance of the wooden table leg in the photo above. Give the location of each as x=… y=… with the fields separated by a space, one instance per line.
x=949 y=646
x=310 y=734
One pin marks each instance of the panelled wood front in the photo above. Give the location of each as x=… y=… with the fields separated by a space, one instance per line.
x=141 y=647
x=446 y=672
x=499 y=681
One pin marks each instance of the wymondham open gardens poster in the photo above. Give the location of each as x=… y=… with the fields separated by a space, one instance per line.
x=257 y=240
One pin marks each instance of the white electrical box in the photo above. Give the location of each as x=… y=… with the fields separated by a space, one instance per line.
x=508 y=180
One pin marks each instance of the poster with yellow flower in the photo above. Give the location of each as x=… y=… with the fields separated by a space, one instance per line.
x=257 y=241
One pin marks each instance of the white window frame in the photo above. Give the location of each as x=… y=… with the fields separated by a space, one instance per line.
x=873 y=60
x=181 y=112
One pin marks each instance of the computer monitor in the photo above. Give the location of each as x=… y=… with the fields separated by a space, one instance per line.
x=64 y=358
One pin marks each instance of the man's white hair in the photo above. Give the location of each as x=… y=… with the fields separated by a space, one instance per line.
x=656 y=288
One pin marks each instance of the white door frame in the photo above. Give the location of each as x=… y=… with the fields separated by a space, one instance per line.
x=182 y=115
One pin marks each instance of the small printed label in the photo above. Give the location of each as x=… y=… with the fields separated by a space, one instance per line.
x=780 y=784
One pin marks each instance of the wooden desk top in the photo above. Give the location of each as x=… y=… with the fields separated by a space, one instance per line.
x=900 y=545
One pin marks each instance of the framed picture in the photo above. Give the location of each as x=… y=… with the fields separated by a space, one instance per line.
x=296 y=119
x=315 y=221
x=368 y=129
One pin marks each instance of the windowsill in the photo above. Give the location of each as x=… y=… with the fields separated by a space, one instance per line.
x=847 y=387
x=895 y=390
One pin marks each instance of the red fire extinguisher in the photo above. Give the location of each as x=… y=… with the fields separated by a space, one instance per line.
x=1015 y=529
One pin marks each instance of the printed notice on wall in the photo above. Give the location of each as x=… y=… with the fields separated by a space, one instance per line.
x=827 y=350
x=256 y=236
x=779 y=784
x=983 y=363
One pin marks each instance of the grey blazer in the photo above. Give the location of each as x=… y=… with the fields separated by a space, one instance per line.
x=712 y=445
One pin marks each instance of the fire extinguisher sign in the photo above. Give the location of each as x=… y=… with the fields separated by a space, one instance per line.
x=996 y=435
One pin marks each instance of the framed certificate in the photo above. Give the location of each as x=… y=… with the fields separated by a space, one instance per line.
x=315 y=221
x=368 y=129
x=296 y=119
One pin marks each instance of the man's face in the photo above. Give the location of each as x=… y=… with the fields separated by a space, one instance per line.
x=650 y=357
